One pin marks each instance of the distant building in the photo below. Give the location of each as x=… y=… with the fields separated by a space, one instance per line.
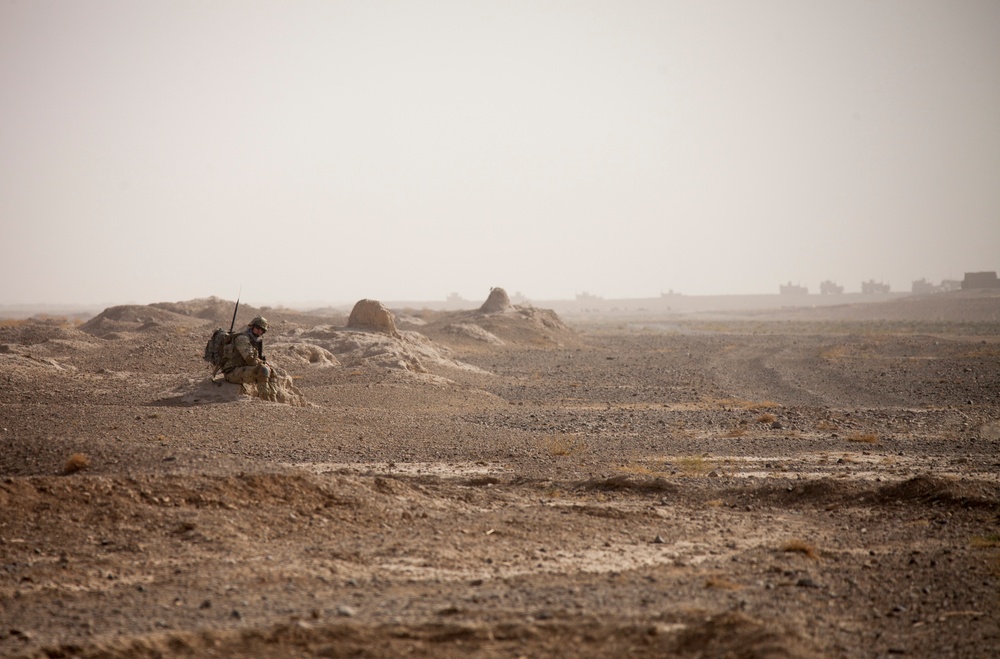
x=950 y=285
x=793 y=289
x=871 y=287
x=830 y=288
x=923 y=287
x=980 y=280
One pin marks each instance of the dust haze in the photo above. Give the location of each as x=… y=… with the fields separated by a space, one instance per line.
x=324 y=152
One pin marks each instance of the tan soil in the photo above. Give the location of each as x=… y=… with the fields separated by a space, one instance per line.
x=504 y=485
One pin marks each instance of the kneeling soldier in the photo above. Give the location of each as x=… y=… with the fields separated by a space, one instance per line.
x=246 y=363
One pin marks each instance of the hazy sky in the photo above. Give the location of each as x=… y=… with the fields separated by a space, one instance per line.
x=329 y=151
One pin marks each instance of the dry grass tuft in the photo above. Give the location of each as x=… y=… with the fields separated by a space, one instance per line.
x=76 y=462
x=562 y=445
x=833 y=353
x=991 y=541
x=694 y=465
x=801 y=547
x=637 y=469
x=864 y=438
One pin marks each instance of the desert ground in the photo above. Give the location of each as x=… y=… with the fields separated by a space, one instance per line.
x=795 y=483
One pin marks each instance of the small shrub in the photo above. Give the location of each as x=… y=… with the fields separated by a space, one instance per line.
x=76 y=462
x=694 y=465
x=562 y=445
x=801 y=547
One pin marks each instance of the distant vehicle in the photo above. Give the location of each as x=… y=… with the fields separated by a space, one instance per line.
x=793 y=289
x=830 y=288
x=871 y=287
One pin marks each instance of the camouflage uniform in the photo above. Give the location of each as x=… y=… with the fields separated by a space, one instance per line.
x=246 y=363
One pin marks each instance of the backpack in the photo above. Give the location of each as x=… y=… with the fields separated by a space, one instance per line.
x=218 y=349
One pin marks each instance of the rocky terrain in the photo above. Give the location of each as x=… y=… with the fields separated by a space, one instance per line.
x=500 y=482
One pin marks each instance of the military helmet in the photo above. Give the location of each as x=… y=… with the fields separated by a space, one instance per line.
x=259 y=321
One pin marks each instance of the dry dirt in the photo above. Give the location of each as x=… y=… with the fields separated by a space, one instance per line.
x=504 y=485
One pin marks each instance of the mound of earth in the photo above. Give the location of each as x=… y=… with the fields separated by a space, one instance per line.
x=221 y=312
x=372 y=314
x=408 y=352
x=520 y=325
x=497 y=302
x=280 y=389
x=940 y=491
x=115 y=321
x=32 y=334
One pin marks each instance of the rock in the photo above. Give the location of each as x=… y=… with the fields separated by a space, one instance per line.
x=497 y=302
x=371 y=314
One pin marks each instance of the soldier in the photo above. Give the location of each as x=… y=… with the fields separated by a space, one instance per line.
x=246 y=363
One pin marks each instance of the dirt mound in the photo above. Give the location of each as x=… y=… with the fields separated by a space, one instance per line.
x=208 y=391
x=819 y=492
x=474 y=332
x=305 y=354
x=520 y=326
x=30 y=334
x=410 y=352
x=738 y=635
x=115 y=321
x=221 y=312
x=210 y=308
x=371 y=314
x=497 y=302
x=31 y=351
x=936 y=490
x=623 y=483
x=724 y=635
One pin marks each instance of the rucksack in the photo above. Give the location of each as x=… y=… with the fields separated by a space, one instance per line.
x=218 y=349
